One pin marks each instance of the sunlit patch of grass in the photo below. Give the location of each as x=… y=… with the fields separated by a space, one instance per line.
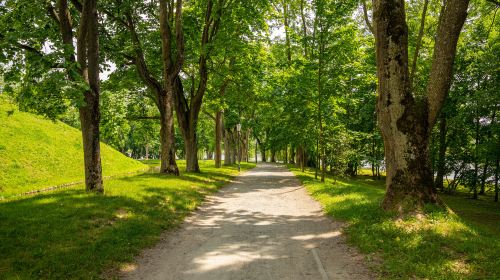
x=37 y=153
x=71 y=234
x=442 y=244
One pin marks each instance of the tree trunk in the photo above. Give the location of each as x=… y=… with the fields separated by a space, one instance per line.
x=234 y=146
x=227 y=147
x=256 y=148
x=292 y=155
x=476 y=158
x=405 y=122
x=263 y=154
x=88 y=57
x=286 y=154
x=218 y=138
x=273 y=155
x=442 y=153
x=167 y=137
x=191 y=153
x=496 y=180
x=89 y=119
x=484 y=176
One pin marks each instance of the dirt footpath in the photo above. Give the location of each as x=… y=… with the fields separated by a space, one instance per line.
x=262 y=226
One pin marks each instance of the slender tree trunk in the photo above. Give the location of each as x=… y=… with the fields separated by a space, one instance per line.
x=476 y=159
x=484 y=176
x=273 y=155
x=292 y=155
x=227 y=148
x=286 y=154
x=496 y=179
x=442 y=153
x=263 y=154
x=88 y=57
x=373 y=156
x=303 y=158
x=256 y=149
x=218 y=138
x=234 y=146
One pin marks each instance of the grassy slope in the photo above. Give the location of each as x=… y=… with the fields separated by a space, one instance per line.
x=37 y=153
x=70 y=234
x=462 y=244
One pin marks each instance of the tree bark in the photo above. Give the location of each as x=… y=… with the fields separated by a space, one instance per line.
x=88 y=70
x=227 y=147
x=218 y=138
x=191 y=154
x=273 y=155
x=442 y=153
x=88 y=58
x=167 y=136
x=496 y=179
x=404 y=121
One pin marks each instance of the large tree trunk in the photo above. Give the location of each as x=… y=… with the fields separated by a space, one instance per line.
x=273 y=155
x=167 y=136
x=404 y=121
x=88 y=57
x=218 y=138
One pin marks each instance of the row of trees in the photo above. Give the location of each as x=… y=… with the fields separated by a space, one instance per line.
x=335 y=85
x=160 y=50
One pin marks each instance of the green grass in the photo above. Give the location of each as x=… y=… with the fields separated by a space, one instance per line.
x=37 y=153
x=71 y=234
x=460 y=243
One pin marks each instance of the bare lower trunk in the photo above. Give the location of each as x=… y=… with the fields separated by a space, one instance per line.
x=218 y=138
x=496 y=180
x=167 y=137
x=234 y=147
x=442 y=152
x=409 y=177
x=191 y=153
x=90 y=114
x=292 y=155
x=89 y=119
x=227 y=148
x=263 y=154
x=273 y=155
x=286 y=154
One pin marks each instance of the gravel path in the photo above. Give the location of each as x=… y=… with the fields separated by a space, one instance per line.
x=262 y=226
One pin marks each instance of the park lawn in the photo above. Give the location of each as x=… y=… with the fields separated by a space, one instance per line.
x=37 y=153
x=71 y=234
x=462 y=242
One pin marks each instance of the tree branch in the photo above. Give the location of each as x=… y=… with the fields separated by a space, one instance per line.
x=419 y=42
x=450 y=24
x=365 y=15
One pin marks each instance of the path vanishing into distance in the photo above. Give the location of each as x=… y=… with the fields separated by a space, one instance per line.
x=264 y=225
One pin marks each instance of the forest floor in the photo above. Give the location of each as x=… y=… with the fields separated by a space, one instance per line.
x=71 y=234
x=460 y=242
x=263 y=225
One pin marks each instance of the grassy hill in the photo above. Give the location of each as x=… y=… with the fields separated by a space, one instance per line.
x=37 y=153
